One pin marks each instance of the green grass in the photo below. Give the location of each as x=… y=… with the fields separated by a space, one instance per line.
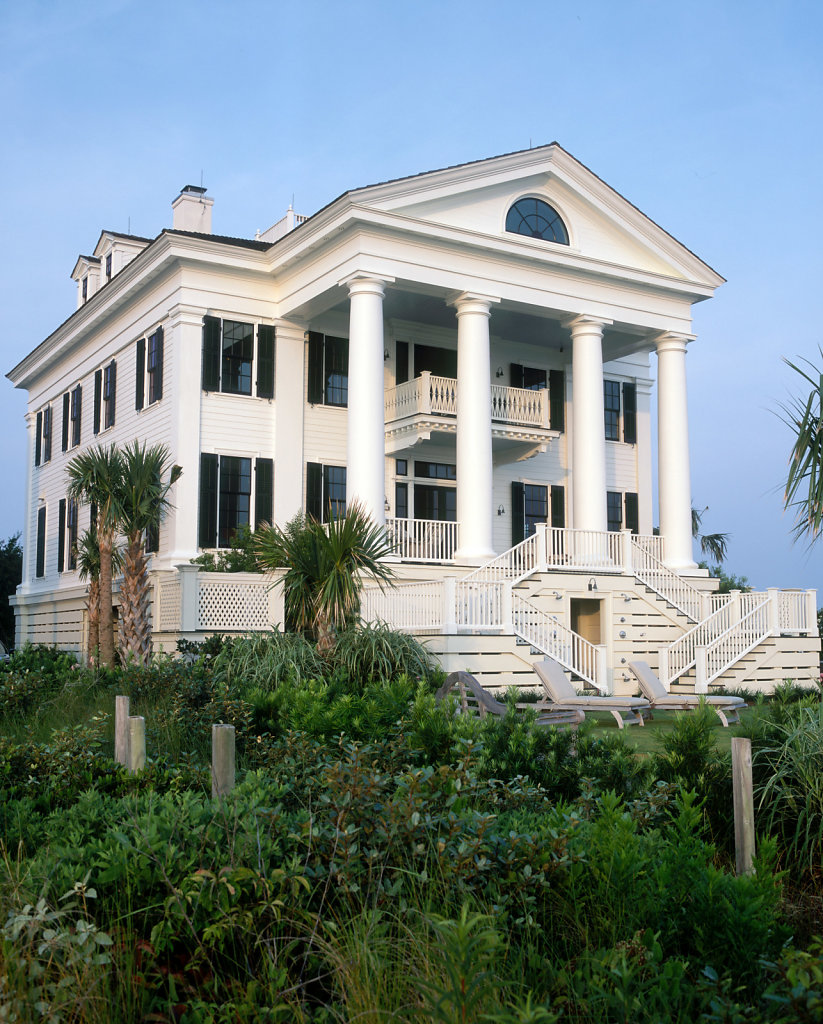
x=649 y=738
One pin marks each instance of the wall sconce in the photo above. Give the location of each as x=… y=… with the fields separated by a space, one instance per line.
x=626 y=597
x=592 y=584
x=385 y=355
x=386 y=504
x=499 y=371
x=500 y=510
x=558 y=596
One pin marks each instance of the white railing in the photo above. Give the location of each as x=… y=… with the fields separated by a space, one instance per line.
x=659 y=578
x=423 y=540
x=166 y=613
x=589 y=550
x=680 y=656
x=735 y=642
x=480 y=605
x=234 y=601
x=650 y=543
x=409 y=606
x=520 y=406
x=429 y=395
x=515 y=564
x=556 y=640
x=796 y=611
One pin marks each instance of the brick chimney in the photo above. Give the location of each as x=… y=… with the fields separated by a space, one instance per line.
x=192 y=210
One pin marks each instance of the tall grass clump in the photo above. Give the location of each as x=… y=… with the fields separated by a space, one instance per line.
x=375 y=651
x=264 y=660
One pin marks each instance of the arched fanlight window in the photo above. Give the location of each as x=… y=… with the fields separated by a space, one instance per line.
x=533 y=217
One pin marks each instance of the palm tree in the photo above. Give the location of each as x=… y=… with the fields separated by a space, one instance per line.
x=95 y=477
x=142 y=502
x=88 y=565
x=326 y=564
x=712 y=545
x=804 y=484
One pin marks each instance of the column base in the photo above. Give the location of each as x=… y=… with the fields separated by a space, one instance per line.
x=472 y=556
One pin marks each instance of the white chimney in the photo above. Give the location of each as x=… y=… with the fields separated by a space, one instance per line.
x=192 y=210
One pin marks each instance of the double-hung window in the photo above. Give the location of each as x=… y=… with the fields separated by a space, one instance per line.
x=66 y=535
x=42 y=439
x=328 y=379
x=72 y=408
x=235 y=491
x=105 y=394
x=149 y=369
x=622 y=512
x=620 y=411
x=325 y=491
x=229 y=363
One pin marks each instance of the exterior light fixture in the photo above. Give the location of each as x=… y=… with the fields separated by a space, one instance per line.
x=592 y=584
x=499 y=371
x=385 y=355
x=500 y=510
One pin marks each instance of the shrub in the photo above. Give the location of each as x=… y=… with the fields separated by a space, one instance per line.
x=375 y=651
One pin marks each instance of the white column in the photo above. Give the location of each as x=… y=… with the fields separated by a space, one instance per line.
x=645 y=510
x=588 y=469
x=32 y=504
x=474 y=428
x=673 y=477
x=289 y=405
x=184 y=348
x=366 y=441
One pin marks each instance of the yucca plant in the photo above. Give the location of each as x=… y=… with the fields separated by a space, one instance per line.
x=142 y=501
x=326 y=564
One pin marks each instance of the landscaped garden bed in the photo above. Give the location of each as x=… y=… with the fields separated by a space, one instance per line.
x=383 y=859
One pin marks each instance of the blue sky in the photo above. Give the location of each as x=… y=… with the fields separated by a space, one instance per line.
x=707 y=116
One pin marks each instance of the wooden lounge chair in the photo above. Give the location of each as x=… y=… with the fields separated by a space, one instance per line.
x=563 y=696
x=726 y=708
x=475 y=699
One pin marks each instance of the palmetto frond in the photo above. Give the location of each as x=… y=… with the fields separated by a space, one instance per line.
x=143 y=494
x=804 y=483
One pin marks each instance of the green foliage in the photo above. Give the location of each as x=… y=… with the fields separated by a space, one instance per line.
x=33 y=675
x=728 y=581
x=804 y=482
x=240 y=557
x=263 y=660
x=375 y=651
x=11 y=573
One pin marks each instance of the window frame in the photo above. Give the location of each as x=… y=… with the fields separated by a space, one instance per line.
x=261 y=366
x=108 y=394
x=517 y=214
x=75 y=415
x=217 y=522
x=154 y=366
x=620 y=410
x=326 y=349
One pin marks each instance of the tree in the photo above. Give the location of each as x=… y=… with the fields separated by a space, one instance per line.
x=95 y=477
x=712 y=545
x=325 y=564
x=142 y=501
x=88 y=565
x=804 y=483
x=11 y=573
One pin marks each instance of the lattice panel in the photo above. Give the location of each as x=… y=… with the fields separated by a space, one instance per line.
x=225 y=605
x=168 y=615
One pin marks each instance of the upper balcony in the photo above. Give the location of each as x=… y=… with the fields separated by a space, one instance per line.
x=428 y=405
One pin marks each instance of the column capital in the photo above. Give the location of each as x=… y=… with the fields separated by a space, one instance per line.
x=585 y=323
x=672 y=341
x=471 y=302
x=181 y=313
x=290 y=328
x=361 y=283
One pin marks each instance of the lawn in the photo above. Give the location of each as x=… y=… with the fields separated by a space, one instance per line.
x=649 y=739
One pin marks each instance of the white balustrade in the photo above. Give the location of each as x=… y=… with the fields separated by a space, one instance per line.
x=659 y=578
x=556 y=640
x=429 y=394
x=731 y=645
x=480 y=605
x=423 y=540
x=590 y=550
x=409 y=606
x=515 y=564
x=234 y=601
x=520 y=406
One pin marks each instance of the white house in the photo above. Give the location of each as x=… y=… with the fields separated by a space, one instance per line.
x=466 y=351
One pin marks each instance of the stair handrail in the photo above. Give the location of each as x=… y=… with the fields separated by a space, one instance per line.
x=556 y=640
x=680 y=656
x=658 y=577
x=515 y=564
x=734 y=643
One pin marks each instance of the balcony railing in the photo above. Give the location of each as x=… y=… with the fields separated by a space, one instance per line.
x=429 y=395
x=423 y=540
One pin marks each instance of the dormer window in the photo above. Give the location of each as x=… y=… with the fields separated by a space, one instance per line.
x=108 y=267
x=85 y=287
x=535 y=218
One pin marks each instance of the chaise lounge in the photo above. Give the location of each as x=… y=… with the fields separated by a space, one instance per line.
x=563 y=697
x=475 y=699
x=726 y=708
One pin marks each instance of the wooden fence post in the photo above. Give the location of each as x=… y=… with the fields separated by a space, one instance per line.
x=743 y=804
x=222 y=760
x=137 y=744
x=121 y=730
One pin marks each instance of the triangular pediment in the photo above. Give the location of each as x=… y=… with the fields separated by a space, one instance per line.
x=603 y=226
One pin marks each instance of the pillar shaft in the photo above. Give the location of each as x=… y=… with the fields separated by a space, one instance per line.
x=366 y=442
x=674 y=479
x=474 y=429
x=588 y=425
x=288 y=411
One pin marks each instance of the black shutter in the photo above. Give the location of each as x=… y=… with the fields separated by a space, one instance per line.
x=632 y=514
x=207 y=530
x=265 y=361
x=263 y=491
x=516 y=375
x=139 y=378
x=61 y=534
x=98 y=394
x=401 y=362
x=152 y=541
x=158 y=370
x=47 y=434
x=518 y=513
x=40 y=566
x=66 y=415
x=38 y=440
x=315 y=382
x=630 y=413
x=140 y=375
x=78 y=415
x=110 y=404
x=211 y=353
x=314 y=490
x=558 y=507
x=557 y=400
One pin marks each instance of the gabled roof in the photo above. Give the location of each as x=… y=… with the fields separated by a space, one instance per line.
x=244 y=243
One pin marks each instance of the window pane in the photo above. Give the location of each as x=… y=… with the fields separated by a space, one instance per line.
x=335 y=486
x=614 y=510
x=611 y=408
x=337 y=371
x=238 y=352
x=235 y=497
x=535 y=506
